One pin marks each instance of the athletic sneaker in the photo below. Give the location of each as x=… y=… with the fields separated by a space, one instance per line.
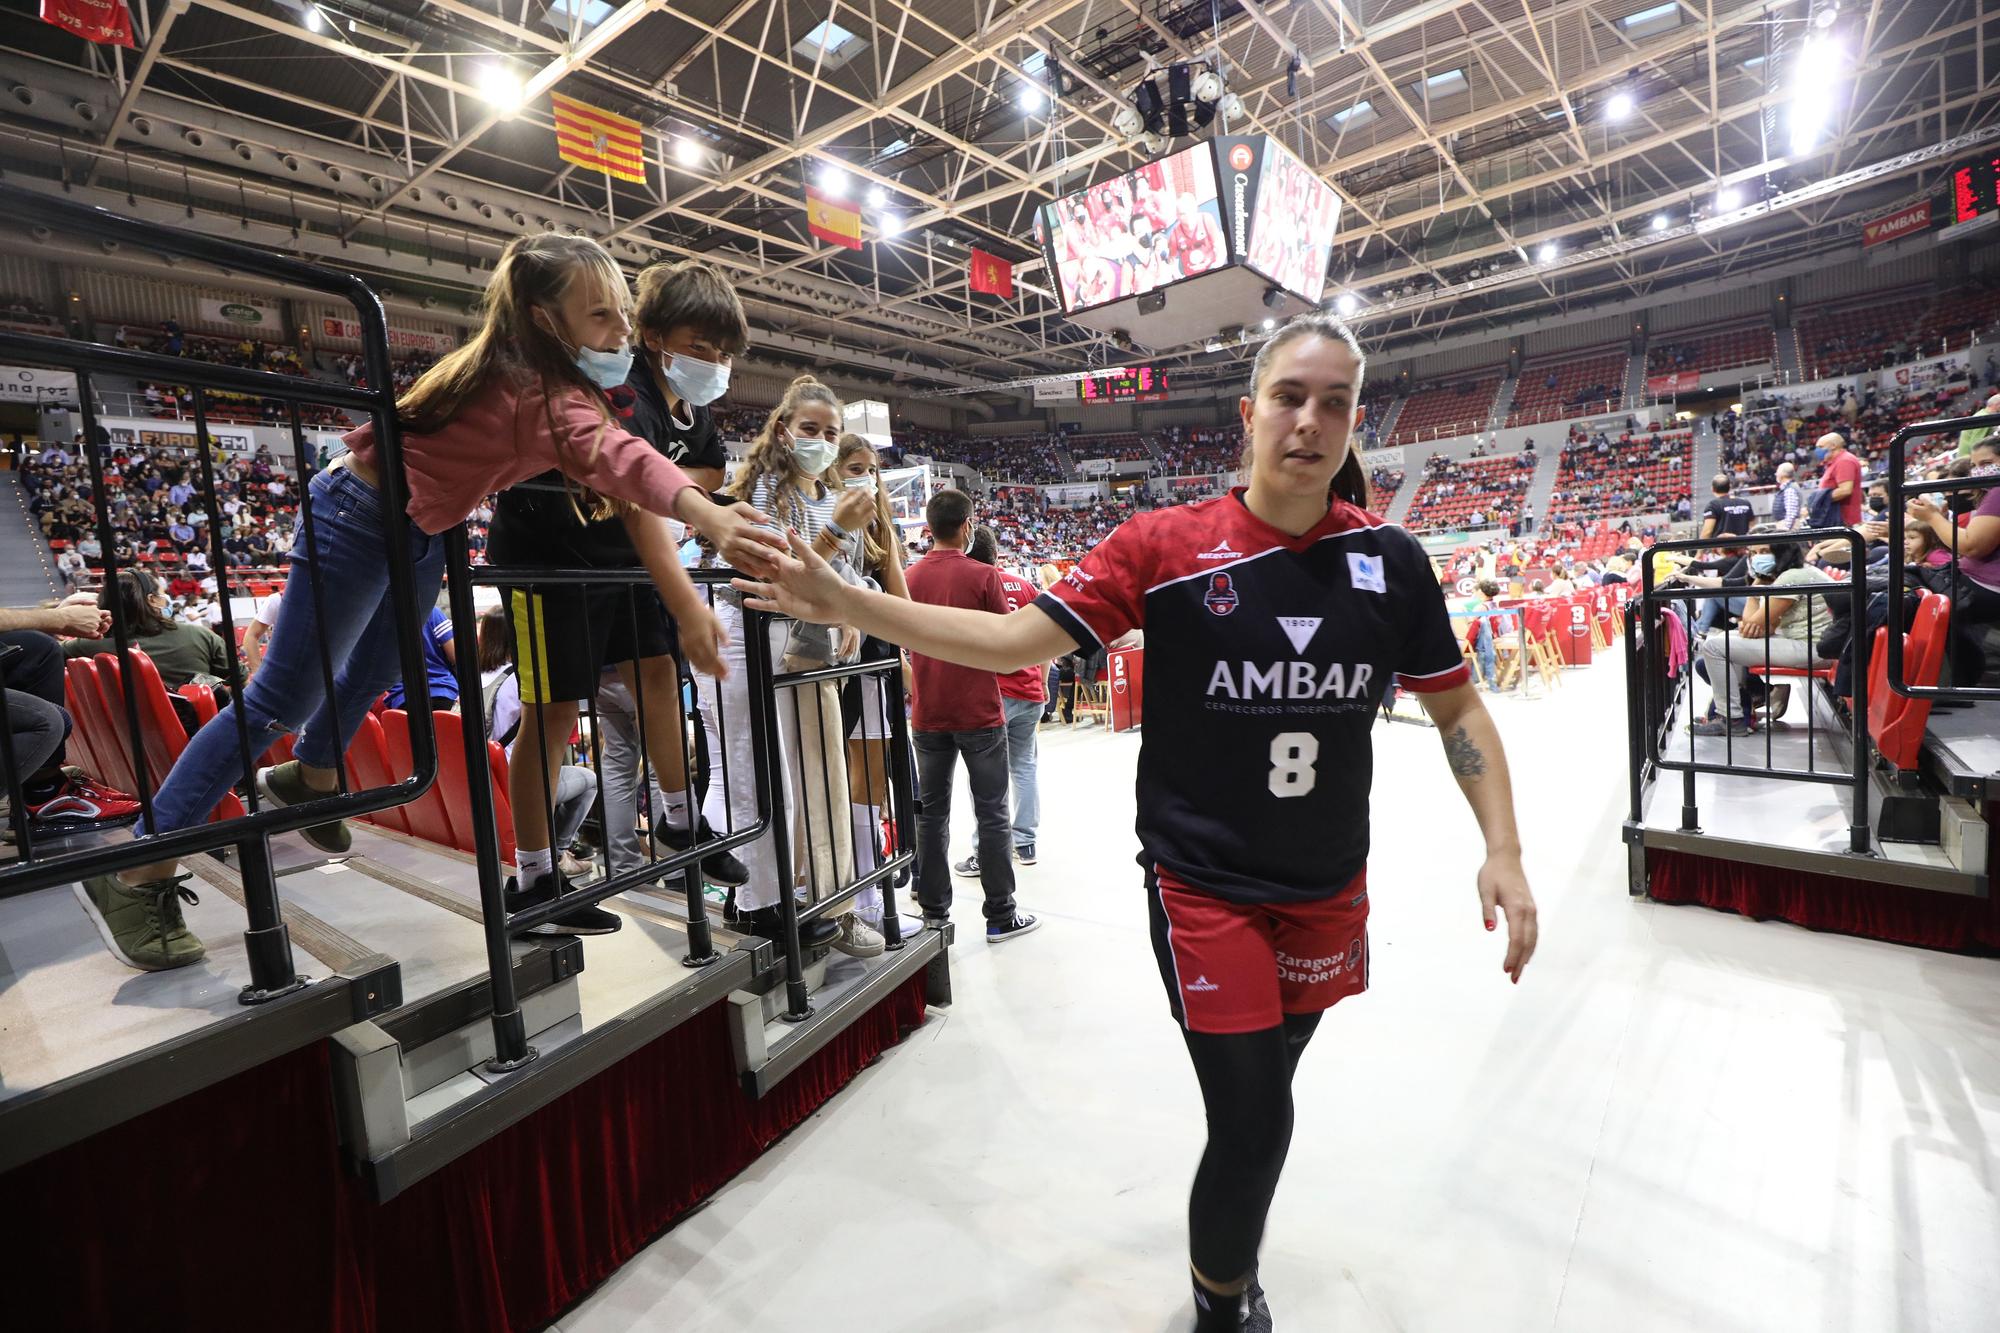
x=78 y=802
x=858 y=939
x=768 y=923
x=1723 y=727
x=282 y=785
x=717 y=867
x=969 y=867
x=1012 y=928
x=1256 y=1311
x=142 y=924
x=1025 y=854
x=589 y=920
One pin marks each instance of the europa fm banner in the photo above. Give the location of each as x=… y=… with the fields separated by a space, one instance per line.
x=408 y=340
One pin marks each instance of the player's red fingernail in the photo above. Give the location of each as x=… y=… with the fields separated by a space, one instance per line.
x=1489 y=925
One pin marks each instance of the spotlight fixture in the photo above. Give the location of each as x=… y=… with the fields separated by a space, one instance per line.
x=1127 y=121
x=1547 y=254
x=501 y=87
x=1031 y=99
x=1728 y=199
x=834 y=180
x=1270 y=324
x=1620 y=105
x=1660 y=222
x=687 y=152
x=1346 y=304
x=891 y=224
x=1208 y=86
x=877 y=196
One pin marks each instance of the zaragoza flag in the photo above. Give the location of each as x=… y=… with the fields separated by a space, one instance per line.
x=597 y=139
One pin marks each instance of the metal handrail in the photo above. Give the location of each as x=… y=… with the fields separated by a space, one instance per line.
x=1646 y=666
x=1899 y=486
x=272 y=971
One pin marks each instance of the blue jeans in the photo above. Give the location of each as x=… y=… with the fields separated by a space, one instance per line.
x=1489 y=665
x=288 y=693
x=1024 y=717
x=1711 y=610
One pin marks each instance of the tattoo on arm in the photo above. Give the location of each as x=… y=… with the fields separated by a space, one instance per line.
x=1463 y=753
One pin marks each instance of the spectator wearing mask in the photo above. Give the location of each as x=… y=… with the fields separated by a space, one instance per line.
x=1840 y=479
x=1788 y=505
x=1783 y=631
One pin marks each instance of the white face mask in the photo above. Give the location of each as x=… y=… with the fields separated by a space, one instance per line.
x=813 y=456
x=695 y=380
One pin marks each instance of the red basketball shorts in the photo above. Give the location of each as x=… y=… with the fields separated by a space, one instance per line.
x=1241 y=967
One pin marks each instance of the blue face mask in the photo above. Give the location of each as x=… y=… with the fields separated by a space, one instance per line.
x=1819 y=455
x=604 y=369
x=1764 y=565
x=695 y=380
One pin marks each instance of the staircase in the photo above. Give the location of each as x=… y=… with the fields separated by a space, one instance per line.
x=1707 y=461
x=1635 y=381
x=27 y=571
x=1413 y=477
x=1543 y=488
x=1788 y=354
x=1388 y=421
x=1503 y=403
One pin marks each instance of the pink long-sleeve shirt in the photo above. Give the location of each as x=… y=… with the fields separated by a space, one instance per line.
x=502 y=435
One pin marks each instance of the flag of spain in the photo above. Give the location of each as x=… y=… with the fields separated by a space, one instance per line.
x=833 y=221
x=599 y=140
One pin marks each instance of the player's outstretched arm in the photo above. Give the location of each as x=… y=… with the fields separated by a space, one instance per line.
x=1472 y=746
x=806 y=589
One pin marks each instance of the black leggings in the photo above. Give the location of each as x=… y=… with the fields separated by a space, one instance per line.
x=1246 y=1084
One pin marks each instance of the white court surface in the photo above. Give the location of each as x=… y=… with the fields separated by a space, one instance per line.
x=1681 y=1120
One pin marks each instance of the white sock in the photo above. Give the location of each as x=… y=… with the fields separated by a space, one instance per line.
x=535 y=865
x=867 y=820
x=674 y=809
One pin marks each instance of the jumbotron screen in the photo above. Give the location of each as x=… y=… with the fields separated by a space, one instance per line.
x=1137 y=233
x=1292 y=224
x=1125 y=384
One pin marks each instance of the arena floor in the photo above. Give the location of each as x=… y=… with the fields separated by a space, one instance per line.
x=1681 y=1120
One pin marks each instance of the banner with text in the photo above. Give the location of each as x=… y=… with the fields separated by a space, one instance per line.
x=1903 y=222
x=172 y=435
x=246 y=313
x=1374 y=458
x=1923 y=375
x=1062 y=391
x=1681 y=381
x=406 y=340
x=29 y=384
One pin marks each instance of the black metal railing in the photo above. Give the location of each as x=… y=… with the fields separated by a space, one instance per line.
x=271 y=964
x=776 y=802
x=1901 y=489
x=1655 y=714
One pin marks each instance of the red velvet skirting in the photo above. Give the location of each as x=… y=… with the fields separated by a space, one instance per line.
x=1826 y=902
x=231 y=1209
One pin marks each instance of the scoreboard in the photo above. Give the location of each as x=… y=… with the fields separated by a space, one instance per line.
x=1125 y=384
x=1975 y=189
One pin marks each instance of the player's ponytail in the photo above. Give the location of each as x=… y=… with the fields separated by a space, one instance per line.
x=1351 y=482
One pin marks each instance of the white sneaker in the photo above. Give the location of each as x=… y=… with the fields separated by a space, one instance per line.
x=858 y=939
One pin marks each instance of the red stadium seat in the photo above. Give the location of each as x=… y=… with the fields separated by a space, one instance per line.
x=160 y=727
x=203 y=699
x=99 y=712
x=368 y=766
x=452 y=785
x=79 y=676
x=1896 y=721
x=426 y=816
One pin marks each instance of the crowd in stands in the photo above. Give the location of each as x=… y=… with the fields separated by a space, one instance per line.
x=1383 y=483
x=1548 y=391
x=1459 y=407
x=1753 y=445
x=1029 y=458
x=403 y=369
x=157 y=510
x=1118 y=446
x=1726 y=349
x=1645 y=468
x=1188 y=451
x=1031 y=529
x=18 y=312
x=1860 y=338
x=1470 y=493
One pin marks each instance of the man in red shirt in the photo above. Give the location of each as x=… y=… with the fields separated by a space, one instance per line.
x=1841 y=474
x=956 y=713
x=1023 y=695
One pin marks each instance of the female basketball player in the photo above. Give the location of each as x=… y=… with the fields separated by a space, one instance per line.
x=1275 y=617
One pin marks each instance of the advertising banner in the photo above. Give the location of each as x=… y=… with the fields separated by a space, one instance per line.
x=407 y=340
x=1382 y=458
x=1060 y=391
x=1922 y=375
x=1895 y=226
x=1681 y=381
x=176 y=435
x=1093 y=467
x=29 y=384
x=245 y=312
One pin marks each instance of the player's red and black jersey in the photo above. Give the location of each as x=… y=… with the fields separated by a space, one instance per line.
x=1266 y=659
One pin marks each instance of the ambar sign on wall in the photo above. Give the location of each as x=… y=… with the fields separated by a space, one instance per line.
x=1894 y=227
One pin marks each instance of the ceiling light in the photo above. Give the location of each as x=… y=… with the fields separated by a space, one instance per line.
x=1547 y=254
x=1815 y=80
x=1346 y=304
x=1659 y=222
x=501 y=87
x=1270 y=323
x=877 y=196
x=1728 y=199
x=891 y=224
x=834 y=180
x=687 y=152
x=314 y=19
x=1031 y=100
x=1826 y=16
x=1620 y=106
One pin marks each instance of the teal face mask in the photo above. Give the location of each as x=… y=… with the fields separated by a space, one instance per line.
x=604 y=369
